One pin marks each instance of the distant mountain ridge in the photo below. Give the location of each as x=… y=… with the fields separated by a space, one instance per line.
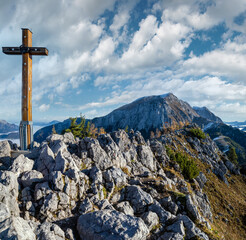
x=207 y=114
x=6 y=127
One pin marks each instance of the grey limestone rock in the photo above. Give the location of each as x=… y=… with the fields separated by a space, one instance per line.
x=201 y=179
x=96 y=153
x=69 y=234
x=105 y=204
x=177 y=227
x=168 y=204
x=50 y=205
x=41 y=190
x=46 y=161
x=4 y=212
x=96 y=175
x=49 y=231
x=16 y=228
x=69 y=138
x=162 y=213
x=112 y=150
x=204 y=205
x=138 y=198
x=151 y=219
x=125 y=208
x=21 y=164
x=5 y=149
x=146 y=157
x=233 y=169
x=9 y=191
x=171 y=236
x=125 y=145
x=58 y=146
x=58 y=180
x=220 y=174
x=117 y=175
x=191 y=229
x=192 y=208
x=159 y=151
x=29 y=178
x=111 y=225
x=85 y=206
x=54 y=137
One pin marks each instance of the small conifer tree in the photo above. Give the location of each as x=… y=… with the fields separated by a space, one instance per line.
x=54 y=130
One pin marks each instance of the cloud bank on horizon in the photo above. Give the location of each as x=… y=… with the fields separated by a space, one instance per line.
x=103 y=54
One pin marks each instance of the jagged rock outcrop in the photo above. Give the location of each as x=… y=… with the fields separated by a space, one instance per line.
x=118 y=186
x=110 y=224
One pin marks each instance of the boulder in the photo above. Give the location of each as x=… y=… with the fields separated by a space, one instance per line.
x=5 y=149
x=49 y=231
x=30 y=178
x=220 y=174
x=169 y=205
x=21 y=164
x=85 y=206
x=41 y=190
x=16 y=228
x=204 y=205
x=116 y=175
x=58 y=146
x=50 y=205
x=96 y=153
x=162 y=213
x=201 y=179
x=192 y=208
x=4 y=212
x=46 y=161
x=96 y=175
x=233 y=169
x=177 y=227
x=146 y=157
x=111 y=225
x=112 y=150
x=125 y=145
x=125 y=208
x=138 y=198
x=9 y=191
x=159 y=151
x=151 y=219
x=191 y=229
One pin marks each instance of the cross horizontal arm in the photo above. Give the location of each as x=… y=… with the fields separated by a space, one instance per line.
x=12 y=50
x=30 y=50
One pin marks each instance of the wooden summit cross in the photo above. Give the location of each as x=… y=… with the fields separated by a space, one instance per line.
x=26 y=50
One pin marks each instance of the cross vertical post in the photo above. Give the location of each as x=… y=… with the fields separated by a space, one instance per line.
x=26 y=50
x=26 y=128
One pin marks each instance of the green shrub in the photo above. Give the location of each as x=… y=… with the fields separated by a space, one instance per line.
x=232 y=155
x=187 y=165
x=197 y=132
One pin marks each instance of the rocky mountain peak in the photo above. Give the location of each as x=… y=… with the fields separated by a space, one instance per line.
x=148 y=113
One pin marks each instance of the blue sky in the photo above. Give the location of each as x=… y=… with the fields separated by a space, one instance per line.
x=104 y=54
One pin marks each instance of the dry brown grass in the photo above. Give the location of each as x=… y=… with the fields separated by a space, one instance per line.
x=221 y=197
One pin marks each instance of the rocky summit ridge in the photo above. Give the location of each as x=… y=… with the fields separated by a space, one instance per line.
x=119 y=186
